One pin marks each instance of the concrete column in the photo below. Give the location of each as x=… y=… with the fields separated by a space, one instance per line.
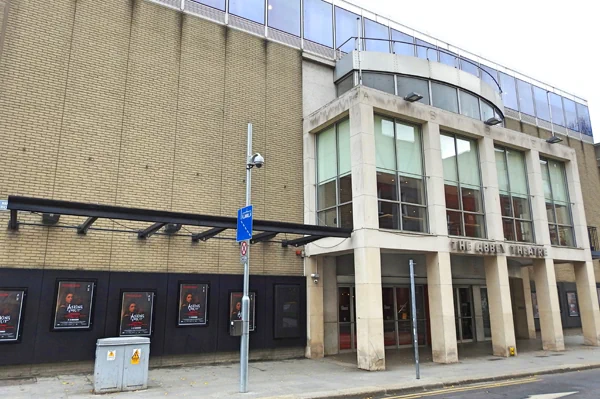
x=314 y=309
x=309 y=150
x=501 y=317
x=491 y=197
x=330 y=305
x=528 y=303
x=441 y=308
x=436 y=199
x=547 y=298
x=367 y=260
x=577 y=209
x=478 y=313
x=538 y=202
x=587 y=298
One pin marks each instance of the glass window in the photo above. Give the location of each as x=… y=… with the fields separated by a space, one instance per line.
x=583 y=117
x=345 y=84
x=345 y=28
x=444 y=97
x=558 y=207
x=379 y=81
x=403 y=48
x=469 y=105
x=487 y=77
x=557 y=110
x=469 y=66
x=284 y=15
x=254 y=10
x=487 y=111
x=400 y=180
x=541 y=103
x=426 y=50
x=449 y=58
x=407 y=86
x=376 y=31
x=334 y=181
x=570 y=114
x=318 y=26
x=509 y=91
x=525 y=98
x=287 y=319
x=514 y=195
x=462 y=186
x=218 y=4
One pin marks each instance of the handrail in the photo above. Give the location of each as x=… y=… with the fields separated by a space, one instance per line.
x=457 y=58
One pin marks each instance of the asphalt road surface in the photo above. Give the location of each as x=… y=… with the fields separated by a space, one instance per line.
x=574 y=385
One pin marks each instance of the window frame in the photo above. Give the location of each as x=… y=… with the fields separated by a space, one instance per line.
x=396 y=174
x=513 y=218
x=555 y=223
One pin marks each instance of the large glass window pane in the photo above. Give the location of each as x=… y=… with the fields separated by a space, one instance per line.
x=508 y=225
x=318 y=25
x=345 y=189
x=521 y=207
x=525 y=98
x=471 y=199
x=546 y=179
x=469 y=105
x=403 y=48
x=344 y=146
x=487 y=111
x=376 y=31
x=454 y=223
x=505 y=205
x=284 y=15
x=218 y=4
x=553 y=234
x=451 y=193
x=449 y=58
x=412 y=190
x=326 y=195
x=413 y=218
x=468 y=163
x=426 y=50
x=542 y=108
x=509 y=91
x=326 y=155
x=570 y=114
x=328 y=218
x=550 y=212
x=565 y=236
x=501 y=169
x=388 y=215
x=379 y=81
x=448 y=157
x=346 y=216
x=384 y=143
x=408 y=149
x=524 y=231
x=491 y=77
x=473 y=225
x=345 y=28
x=557 y=178
x=407 y=86
x=562 y=213
x=254 y=10
x=557 y=110
x=345 y=84
x=517 y=172
x=583 y=117
x=386 y=186
x=469 y=66
x=444 y=97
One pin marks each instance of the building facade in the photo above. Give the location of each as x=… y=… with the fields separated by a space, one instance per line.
x=390 y=133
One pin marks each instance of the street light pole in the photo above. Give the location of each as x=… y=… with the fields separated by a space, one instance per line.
x=244 y=348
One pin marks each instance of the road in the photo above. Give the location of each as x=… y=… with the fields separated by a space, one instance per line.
x=574 y=385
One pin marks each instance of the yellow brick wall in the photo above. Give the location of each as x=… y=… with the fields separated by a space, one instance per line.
x=129 y=103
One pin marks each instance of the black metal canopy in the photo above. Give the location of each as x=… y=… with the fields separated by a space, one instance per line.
x=264 y=229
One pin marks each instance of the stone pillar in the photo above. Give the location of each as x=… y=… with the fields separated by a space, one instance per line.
x=547 y=298
x=501 y=317
x=367 y=260
x=587 y=298
x=441 y=308
x=491 y=196
x=538 y=202
x=436 y=200
x=330 y=305
x=528 y=304
x=314 y=309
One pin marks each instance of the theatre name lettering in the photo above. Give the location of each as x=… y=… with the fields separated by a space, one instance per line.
x=492 y=248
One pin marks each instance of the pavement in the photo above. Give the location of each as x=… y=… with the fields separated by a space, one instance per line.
x=331 y=377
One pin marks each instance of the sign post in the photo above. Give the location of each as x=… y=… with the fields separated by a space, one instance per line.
x=413 y=311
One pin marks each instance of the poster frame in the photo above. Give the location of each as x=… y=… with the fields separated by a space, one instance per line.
x=91 y=304
x=252 y=295
x=180 y=285
x=21 y=314
x=120 y=319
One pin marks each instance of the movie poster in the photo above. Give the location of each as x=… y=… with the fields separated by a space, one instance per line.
x=572 y=303
x=192 y=304
x=11 y=309
x=73 y=307
x=137 y=308
x=235 y=308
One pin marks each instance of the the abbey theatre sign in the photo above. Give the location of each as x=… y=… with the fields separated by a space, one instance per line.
x=494 y=248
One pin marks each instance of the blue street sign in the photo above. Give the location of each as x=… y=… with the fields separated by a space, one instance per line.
x=244 y=224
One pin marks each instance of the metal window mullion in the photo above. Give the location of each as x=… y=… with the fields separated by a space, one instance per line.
x=551 y=193
x=301 y=24
x=266 y=18
x=459 y=103
x=564 y=175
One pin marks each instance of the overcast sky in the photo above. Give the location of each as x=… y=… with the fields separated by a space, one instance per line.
x=556 y=42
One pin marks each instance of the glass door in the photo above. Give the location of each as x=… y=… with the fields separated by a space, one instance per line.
x=346 y=319
x=463 y=307
x=404 y=316
x=485 y=312
x=389 y=317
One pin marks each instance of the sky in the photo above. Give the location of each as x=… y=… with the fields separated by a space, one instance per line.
x=556 y=42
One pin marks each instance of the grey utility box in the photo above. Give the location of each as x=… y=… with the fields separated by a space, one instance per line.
x=121 y=364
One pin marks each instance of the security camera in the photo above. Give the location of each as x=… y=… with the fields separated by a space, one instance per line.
x=256 y=160
x=315 y=277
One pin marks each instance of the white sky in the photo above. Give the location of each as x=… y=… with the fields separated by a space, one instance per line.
x=554 y=41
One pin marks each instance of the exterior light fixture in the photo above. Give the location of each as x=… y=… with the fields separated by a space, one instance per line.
x=553 y=140
x=412 y=97
x=493 y=121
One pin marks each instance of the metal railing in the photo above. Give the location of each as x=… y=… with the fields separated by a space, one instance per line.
x=593 y=235
x=358 y=40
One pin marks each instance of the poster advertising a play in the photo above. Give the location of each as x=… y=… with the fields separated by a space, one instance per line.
x=73 y=307
x=136 y=313
x=192 y=304
x=235 y=308
x=11 y=310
